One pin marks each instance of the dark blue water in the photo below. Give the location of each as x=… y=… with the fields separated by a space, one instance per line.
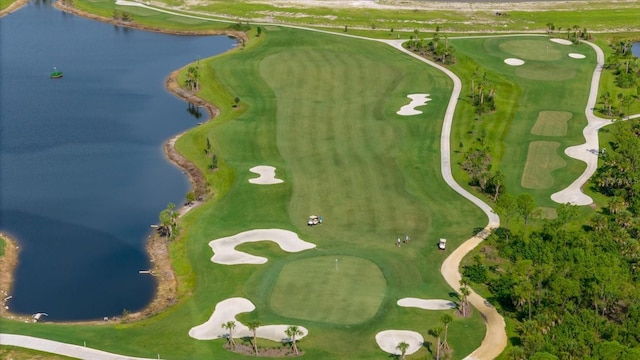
x=636 y=49
x=82 y=173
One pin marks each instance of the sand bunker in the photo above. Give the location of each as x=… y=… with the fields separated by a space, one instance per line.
x=388 y=341
x=561 y=41
x=227 y=310
x=576 y=56
x=267 y=175
x=416 y=100
x=224 y=251
x=427 y=304
x=513 y=61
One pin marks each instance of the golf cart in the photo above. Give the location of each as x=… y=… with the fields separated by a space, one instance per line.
x=442 y=244
x=314 y=220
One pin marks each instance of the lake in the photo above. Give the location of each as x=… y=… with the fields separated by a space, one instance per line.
x=636 y=49
x=83 y=175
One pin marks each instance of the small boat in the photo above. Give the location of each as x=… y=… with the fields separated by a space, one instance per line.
x=56 y=74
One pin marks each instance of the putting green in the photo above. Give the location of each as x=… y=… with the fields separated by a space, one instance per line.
x=546 y=71
x=531 y=49
x=332 y=289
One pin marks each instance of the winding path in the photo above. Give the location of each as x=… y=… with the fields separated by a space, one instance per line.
x=495 y=339
x=589 y=151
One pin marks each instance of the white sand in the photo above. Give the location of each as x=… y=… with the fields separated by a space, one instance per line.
x=388 y=340
x=576 y=56
x=224 y=251
x=513 y=61
x=267 y=175
x=427 y=304
x=227 y=310
x=561 y=41
x=416 y=100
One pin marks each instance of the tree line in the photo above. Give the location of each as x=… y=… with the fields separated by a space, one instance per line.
x=572 y=287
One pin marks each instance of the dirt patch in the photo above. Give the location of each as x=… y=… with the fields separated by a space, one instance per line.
x=8 y=264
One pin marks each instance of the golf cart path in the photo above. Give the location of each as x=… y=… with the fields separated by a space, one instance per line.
x=589 y=151
x=495 y=339
x=60 y=348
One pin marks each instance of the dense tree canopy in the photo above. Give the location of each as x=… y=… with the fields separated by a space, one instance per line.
x=574 y=290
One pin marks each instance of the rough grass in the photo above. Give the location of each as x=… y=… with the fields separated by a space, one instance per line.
x=551 y=123
x=333 y=289
x=542 y=159
x=3 y=245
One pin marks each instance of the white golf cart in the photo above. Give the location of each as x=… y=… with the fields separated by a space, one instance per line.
x=442 y=244
x=314 y=220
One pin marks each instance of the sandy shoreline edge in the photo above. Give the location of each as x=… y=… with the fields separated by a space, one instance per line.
x=156 y=246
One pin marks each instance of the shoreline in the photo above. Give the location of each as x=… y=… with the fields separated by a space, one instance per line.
x=17 y=5
x=166 y=294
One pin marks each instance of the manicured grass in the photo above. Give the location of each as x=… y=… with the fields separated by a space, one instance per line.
x=543 y=158
x=558 y=84
x=322 y=110
x=333 y=289
x=551 y=123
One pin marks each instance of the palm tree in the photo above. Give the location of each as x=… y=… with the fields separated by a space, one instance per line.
x=446 y=319
x=437 y=333
x=403 y=346
x=464 y=293
x=168 y=221
x=293 y=331
x=230 y=325
x=253 y=325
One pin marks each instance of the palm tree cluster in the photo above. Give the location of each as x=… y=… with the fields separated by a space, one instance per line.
x=624 y=64
x=437 y=49
x=441 y=333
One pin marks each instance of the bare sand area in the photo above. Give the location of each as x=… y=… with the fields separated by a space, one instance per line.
x=561 y=41
x=224 y=251
x=267 y=175
x=388 y=341
x=227 y=310
x=427 y=304
x=416 y=100
x=514 y=61
x=454 y=5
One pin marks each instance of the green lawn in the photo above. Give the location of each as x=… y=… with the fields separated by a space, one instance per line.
x=322 y=110
x=540 y=110
x=337 y=289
